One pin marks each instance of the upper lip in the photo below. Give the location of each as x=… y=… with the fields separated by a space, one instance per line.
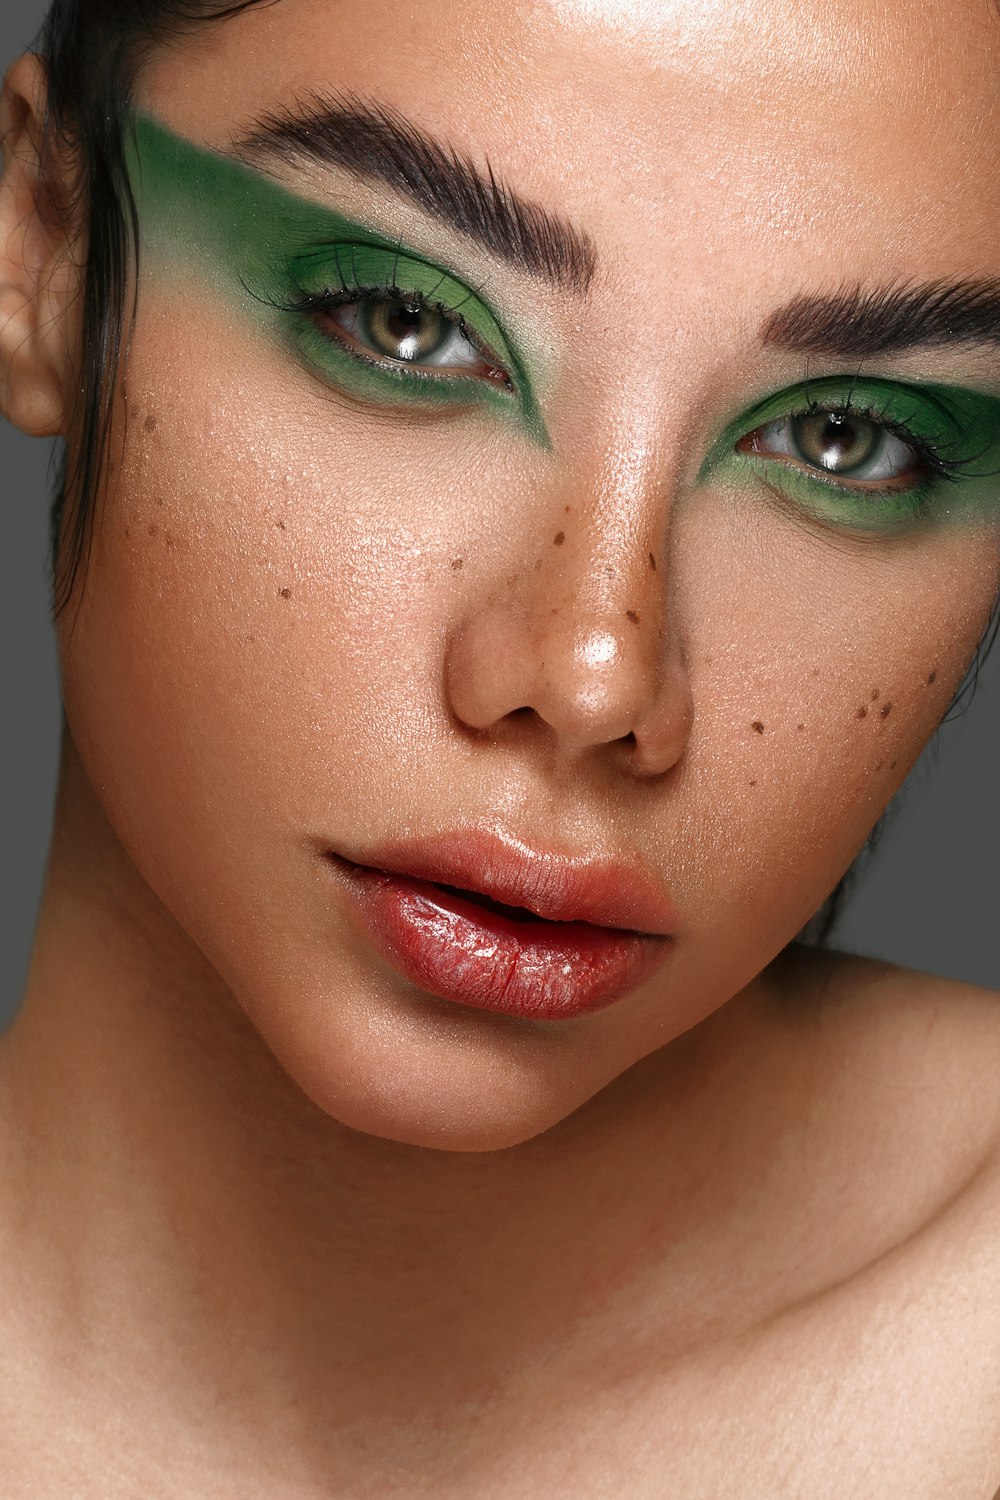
x=607 y=893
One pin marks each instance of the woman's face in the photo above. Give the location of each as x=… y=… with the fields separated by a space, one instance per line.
x=648 y=562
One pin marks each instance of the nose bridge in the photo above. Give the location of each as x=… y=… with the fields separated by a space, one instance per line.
x=580 y=636
x=602 y=572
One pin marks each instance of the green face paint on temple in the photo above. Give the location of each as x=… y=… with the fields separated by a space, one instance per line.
x=298 y=268
x=867 y=454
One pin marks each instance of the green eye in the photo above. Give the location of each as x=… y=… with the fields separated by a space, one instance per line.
x=404 y=331
x=397 y=330
x=868 y=454
x=841 y=445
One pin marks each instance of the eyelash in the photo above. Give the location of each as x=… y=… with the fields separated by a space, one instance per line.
x=312 y=305
x=886 y=503
x=930 y=455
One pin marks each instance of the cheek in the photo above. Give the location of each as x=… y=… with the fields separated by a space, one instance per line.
x=253 y=634
x=820 y=671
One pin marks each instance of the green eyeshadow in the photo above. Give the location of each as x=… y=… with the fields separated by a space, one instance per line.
x=955 y=429
x=271 y=254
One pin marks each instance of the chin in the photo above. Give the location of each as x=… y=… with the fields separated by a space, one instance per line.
x=423 y=1072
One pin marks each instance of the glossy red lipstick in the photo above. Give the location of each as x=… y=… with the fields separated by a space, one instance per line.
x=493 y=924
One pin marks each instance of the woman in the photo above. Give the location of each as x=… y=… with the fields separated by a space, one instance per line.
x=538 y=498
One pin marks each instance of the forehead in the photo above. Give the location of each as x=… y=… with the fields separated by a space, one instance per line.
x=737 y=131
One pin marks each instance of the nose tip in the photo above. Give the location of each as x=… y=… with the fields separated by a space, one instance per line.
x=594 y=681
x=599 y=693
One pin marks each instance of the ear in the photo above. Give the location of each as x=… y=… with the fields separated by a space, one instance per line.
x=40 y=264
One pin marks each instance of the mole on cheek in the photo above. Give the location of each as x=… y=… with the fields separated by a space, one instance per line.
x=652 y=562
x=285 y=593
x=932 y=679
x=150 y=423
x=862 y=712
x=456 y=565
x=885 y=710
x=559 y=538
x=630 y=614
x=757 y=727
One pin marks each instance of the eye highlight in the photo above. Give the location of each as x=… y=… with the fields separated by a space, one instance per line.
x=390 y=326
x=868 y=454
x=391 y=329
x=843 y=445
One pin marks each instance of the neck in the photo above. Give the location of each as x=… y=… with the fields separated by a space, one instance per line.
x=192 y=1214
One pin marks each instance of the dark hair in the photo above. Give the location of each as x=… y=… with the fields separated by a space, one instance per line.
x=93 y=50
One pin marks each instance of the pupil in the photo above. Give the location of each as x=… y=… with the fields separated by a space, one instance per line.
x=837 y=443
x=403 y=322
x=399 y=330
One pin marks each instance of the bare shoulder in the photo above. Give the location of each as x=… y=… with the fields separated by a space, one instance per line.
x=928 y=1045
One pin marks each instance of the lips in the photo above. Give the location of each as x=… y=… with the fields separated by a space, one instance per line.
x=492 y=924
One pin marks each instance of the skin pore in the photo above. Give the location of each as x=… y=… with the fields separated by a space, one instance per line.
x=589 y=578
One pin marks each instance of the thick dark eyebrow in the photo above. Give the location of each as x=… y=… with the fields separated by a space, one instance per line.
x=373 y=141
x=859 y=323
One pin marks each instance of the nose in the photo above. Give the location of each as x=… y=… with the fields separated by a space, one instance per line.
x=586 y=647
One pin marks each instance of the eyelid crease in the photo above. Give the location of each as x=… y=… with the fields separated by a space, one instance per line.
x=245 y=234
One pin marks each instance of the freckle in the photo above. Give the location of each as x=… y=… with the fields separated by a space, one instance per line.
x=160 y=501
x=281 y=525
x=609 y=572
x=753 y=783
x=168 y=539
x=757 y=727
x=815 y=671
x=885 y=710
x=932 y=679
x=285 y=593
x=559 y=538
x=456 y=565
x=553 y=611
x=154 y=531
x=128 y=531
x=800 y=728
x=630 y=614
x=862 y=712
x=893 y=764
x=567 y=510
x=538 y=564
x=875 y=695
x=150 y=423
x=652 y=562
x=512 y=580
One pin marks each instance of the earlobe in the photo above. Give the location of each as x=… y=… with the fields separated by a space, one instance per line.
x=39 y=274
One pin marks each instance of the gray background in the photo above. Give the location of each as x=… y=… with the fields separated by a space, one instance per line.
x=928 y=898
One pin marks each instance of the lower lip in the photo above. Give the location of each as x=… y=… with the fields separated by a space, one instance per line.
x=458 y=950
